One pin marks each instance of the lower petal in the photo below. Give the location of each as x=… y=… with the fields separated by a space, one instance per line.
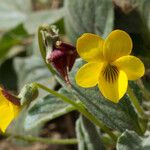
x=6 y=116
x=115 y=90
x=132 y=66
x=87 y=76
x=8 y=112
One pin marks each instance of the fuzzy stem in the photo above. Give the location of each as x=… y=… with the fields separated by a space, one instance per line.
x=82 y=110
x=145 y=92
x=135 y=102
x=143 y=119
x=43 y=140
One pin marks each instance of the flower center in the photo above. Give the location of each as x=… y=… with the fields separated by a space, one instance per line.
x=110 y=73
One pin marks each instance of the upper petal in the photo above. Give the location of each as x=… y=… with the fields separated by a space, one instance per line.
x=117 y=44
x=115 y=90
x=87 y=75
x=132 y=66
x=90 y=47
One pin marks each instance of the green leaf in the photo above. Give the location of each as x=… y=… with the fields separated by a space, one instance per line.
x=13 y=12
x=36 y=19
x=88 y=136
x=129 y=140
x=32 y=69
x=119 y=116
x=95 y=16
x=46 y=109
x=11 y=38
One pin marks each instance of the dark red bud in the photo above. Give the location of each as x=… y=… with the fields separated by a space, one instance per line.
x=63 y=58
x=11 y=98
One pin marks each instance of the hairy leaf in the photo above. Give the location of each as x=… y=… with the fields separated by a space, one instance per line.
x=130 y=140
x=46 y=109
x=119 y=116
x=13 y=12
x=94 y=16
x=32 y=69
x=38 y=18
x=20 y=11
x=88 y=136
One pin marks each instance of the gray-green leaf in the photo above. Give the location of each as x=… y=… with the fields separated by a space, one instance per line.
x=32 y=69
x=46 y=109
x=36 y=19
x=129 y=140
x=119 y=116
x=13 y=12
x=94 y=16
x=88 y=135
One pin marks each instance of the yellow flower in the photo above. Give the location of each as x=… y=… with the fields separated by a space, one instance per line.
x=109 y=63
x=9 y=109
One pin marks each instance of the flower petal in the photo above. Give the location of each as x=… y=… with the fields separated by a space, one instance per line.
x=132 y=66
x=87 y=75
x=115 y=90
x=90 y=47
x=8 y=111
x=117 y=44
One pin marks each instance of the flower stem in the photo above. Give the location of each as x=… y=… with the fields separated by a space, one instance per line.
x=143 y=119
x=44 y=140
x=145 y=92
x=135 y=102
x=79 y=106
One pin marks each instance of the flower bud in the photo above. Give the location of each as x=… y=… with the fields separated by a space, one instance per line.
x=28 y=93
x=62 y=57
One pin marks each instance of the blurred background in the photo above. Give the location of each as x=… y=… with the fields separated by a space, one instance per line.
x=20 y=60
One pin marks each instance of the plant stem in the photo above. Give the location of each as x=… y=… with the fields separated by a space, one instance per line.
x=145 y=92
x=82 y=110
x=143 y=119
x=44 y=140
x=135 y=102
